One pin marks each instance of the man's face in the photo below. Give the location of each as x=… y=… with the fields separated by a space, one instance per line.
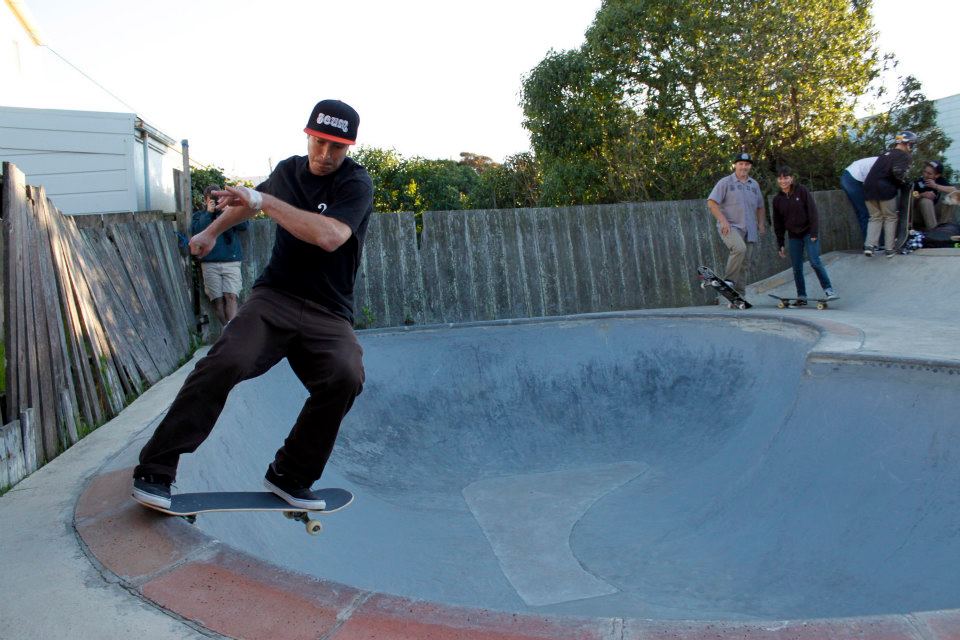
x=785 y=182
x=742 y=169
x=325 y=156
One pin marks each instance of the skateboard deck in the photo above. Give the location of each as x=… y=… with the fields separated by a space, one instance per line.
x=904 y=219
x=783 y=303
x=190 y=505
x=709 y=278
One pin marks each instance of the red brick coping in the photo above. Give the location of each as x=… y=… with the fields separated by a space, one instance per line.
x=181 y=570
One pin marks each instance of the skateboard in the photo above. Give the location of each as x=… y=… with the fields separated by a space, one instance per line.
x=904 y=219
x=190 y=505
x=709 y=278
x=783 y=303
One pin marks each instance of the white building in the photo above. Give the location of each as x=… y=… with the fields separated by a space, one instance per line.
x=948 y=117
x=74 y=138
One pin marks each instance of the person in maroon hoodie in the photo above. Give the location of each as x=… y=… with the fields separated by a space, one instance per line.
x=795 y=216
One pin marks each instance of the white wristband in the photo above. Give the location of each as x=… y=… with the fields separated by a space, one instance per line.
x=255 y=198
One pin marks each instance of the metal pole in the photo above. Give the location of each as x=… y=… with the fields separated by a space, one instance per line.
x=144 y=136
x=186 y=206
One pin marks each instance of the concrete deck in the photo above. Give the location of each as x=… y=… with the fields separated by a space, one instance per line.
x=678 y=473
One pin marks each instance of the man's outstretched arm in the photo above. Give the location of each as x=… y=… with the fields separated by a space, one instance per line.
x=323 y=231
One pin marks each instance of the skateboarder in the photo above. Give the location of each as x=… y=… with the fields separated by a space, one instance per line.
x=880 y=188
x=301 y=308
x=795 y=214
x=737 y=204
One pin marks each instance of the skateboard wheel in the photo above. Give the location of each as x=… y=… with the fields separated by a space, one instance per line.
x=290 y=515
x=781 y=305
x=821 y=306
x=741 y=305
x=314 y=527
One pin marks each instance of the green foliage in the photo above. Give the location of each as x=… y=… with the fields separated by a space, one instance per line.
x=515 y=183
x=200 y=179
x=663 y=92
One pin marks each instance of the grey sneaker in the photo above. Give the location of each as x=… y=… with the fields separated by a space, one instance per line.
x=293 y=493
x=868 y=251
x=830 y=293
x=153 y=490
x=890 y=253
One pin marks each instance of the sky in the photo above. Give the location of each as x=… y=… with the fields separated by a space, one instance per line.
x=429 y=78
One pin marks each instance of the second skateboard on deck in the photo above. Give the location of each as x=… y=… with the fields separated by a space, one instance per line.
x=709 y=278
x=783 y=303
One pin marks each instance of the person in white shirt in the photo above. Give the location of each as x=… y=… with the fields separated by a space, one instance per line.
x=851 y=181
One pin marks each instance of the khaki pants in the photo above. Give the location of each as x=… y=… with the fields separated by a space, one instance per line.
x=739 y=249
x=883 y=216
x=928 y=212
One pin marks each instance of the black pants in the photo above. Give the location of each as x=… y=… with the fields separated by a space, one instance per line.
x=323 y=353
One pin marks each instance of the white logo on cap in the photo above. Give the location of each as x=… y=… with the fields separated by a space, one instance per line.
x=322 y=206
x=336 y=123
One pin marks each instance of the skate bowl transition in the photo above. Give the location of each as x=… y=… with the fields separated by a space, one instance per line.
x=654 y=466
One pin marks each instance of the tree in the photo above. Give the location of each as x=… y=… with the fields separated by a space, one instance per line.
x=663 y=92
x=201 y=178
x=515 y=183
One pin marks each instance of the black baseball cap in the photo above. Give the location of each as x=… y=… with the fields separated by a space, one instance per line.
x=210 y=189
x=333 y=120
x=743 y=156
x=936 y=166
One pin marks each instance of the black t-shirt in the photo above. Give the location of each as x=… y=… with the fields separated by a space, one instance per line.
x=303 y=269
x=887 y=175
x=921 y=187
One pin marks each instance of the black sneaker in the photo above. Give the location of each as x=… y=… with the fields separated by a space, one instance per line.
x=294 y=494
x=153 y=490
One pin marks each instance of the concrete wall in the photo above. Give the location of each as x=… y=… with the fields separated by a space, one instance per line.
x=512 y=263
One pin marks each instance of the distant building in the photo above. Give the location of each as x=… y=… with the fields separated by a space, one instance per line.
x=93 y=162
x=74 y=138
x=948 y=117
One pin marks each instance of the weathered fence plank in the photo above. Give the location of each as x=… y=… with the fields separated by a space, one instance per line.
x=89 y=317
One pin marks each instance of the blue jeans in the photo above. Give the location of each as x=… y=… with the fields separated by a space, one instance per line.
x=796 y=246
x=854 y=191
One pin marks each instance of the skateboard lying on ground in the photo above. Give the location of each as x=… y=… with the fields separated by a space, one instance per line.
x=783 y=303
x=709 y=278
x=189 y=505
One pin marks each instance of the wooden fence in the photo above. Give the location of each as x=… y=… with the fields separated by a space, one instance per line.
x=97 y=308
x=521 y=263
x=93 y=314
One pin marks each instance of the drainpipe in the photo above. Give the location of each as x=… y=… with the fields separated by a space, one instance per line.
x=146 y=169
x=186 y=206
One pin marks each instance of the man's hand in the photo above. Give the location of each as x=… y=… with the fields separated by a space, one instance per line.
x=724 y=227
x=783 y=252
x=929 y=195
x=202 y=244
x=239 y=197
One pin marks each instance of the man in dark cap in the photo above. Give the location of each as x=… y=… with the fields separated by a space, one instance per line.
x=737 y=204
x=301 y=308
x=927 y=190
